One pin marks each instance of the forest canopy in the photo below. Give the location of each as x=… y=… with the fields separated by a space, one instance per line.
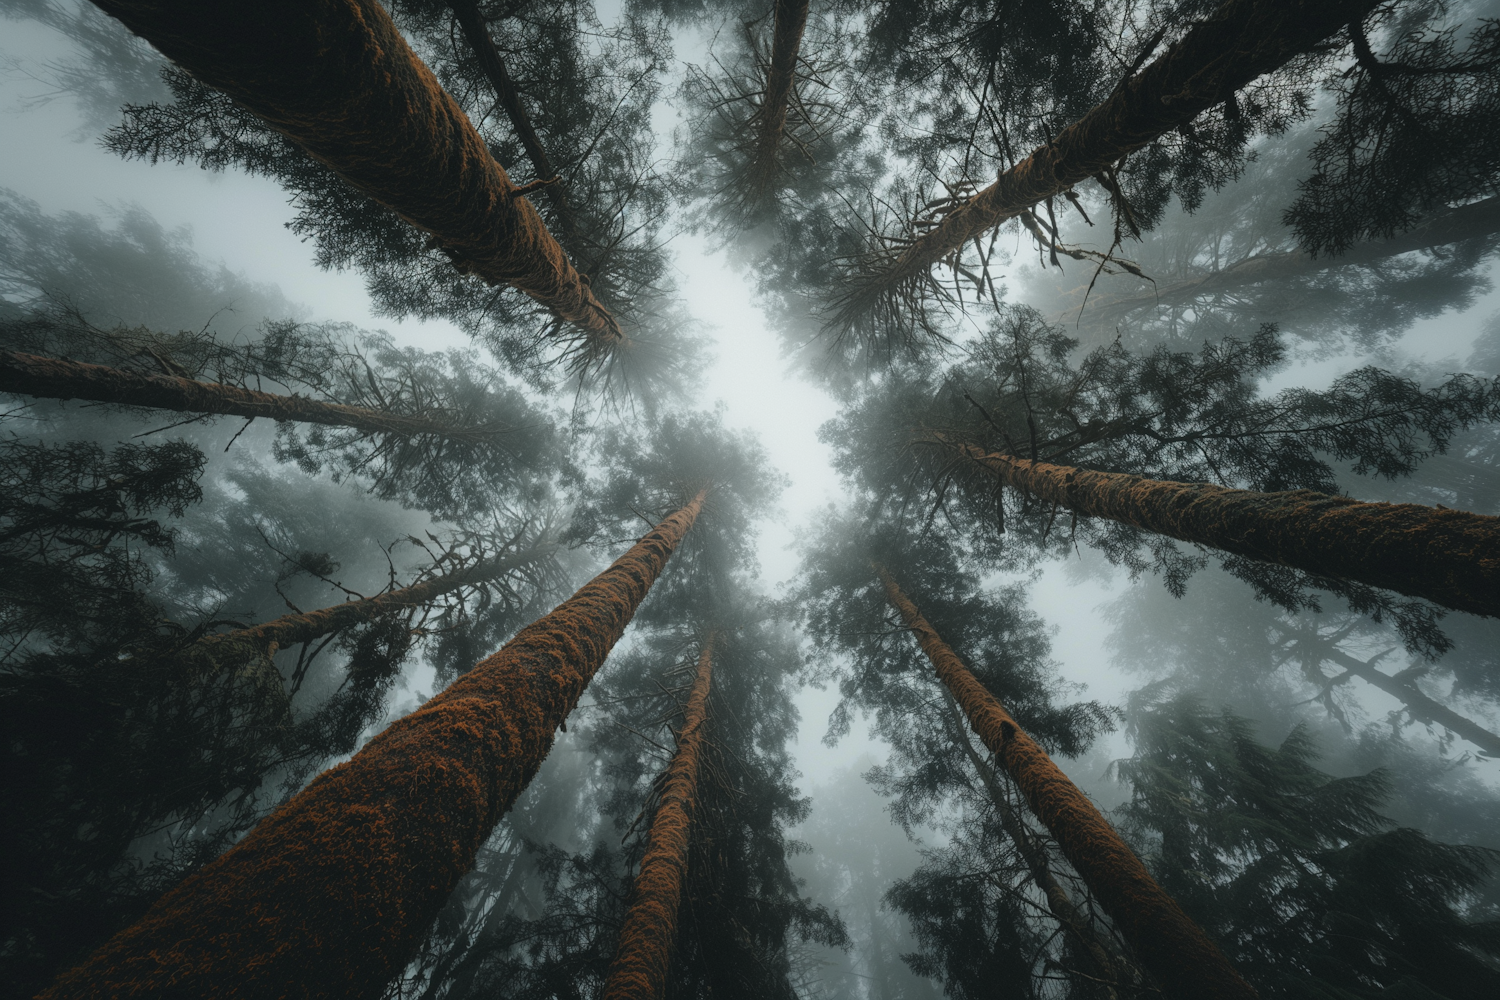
x=691 y=499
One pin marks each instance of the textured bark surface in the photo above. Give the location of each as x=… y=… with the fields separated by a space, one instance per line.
x=770 y=117
x=1108 y=967
x=331 y=893
x=1449 y=557
x=1418 y=704
x=1238 y=42
x=643 y=957
x=53 y=378
x=305 y=626
x=1172 y=948
x=1480 y=219
x=337 y=78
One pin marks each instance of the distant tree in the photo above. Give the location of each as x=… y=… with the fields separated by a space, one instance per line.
x=1201 y=457
x=439 y=431
x=643 y=958
x=1311 y=891
x=933 y=773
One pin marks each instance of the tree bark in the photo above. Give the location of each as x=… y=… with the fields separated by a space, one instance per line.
x=770 y=117
x=53 y=378
x=1107 y=966
x=305 y=626
x=1238 y=42
x=1449 y=557
x=643 y=957
x=471 y=21
x=1482 y=218
x=337 y=78
x=1418 y=704
x=1173 y=949
x=331 y=894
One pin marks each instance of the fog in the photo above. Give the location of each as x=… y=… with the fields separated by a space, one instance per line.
x=1109 y=632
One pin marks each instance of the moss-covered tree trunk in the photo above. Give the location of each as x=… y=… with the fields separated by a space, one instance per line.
x=1468 y=222
x=1112 y=969
x=1171 y=947
x=331 y=894
x=337 y=78
x=54 y=378
x=1238 y=42
x=643 y=957
x=1450 y=557
x=770 y=118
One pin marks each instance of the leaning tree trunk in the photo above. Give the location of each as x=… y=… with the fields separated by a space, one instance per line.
x=1418 y=704
x=1449 y=557
x=1171 y=947
x=54 y=378
x=337 y=78
x=768 y=124
x=1238 y=42
x=1468 y=222
x=331 y=893
x=1113 y=970
x=644 y=954
x=469 y=18
x=305 y=626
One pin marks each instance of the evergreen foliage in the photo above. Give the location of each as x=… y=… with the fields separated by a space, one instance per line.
x=1100 y=234
x=1308 y=886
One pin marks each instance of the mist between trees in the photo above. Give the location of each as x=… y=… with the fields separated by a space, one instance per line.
x=336 y=665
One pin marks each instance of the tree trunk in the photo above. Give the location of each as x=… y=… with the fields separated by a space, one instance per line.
x=643 y=957
x=1418 y=704
x=305 y=626
x=331 y=894
x=1469 y=222
x=1108 y=967
x=1173 y=949
x=1449 y=557
x=466 y=12
x=769 y=121
x=1238 y=42
x=337 y=78
x=53 y=378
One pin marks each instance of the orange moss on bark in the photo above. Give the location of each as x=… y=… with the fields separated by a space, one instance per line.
x=769 y=121
x=331 y=893
x=1238 y=42
x=1171 y=947
x=1449 y=557
x=54 y=378
x=643 y=957
x=337 y=78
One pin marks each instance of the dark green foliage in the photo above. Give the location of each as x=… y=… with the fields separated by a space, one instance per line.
x=496 y=441
x=74 y=530
x=1295 y=872
x=1163 y=415
x=588 y=94
x=1417 y=129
